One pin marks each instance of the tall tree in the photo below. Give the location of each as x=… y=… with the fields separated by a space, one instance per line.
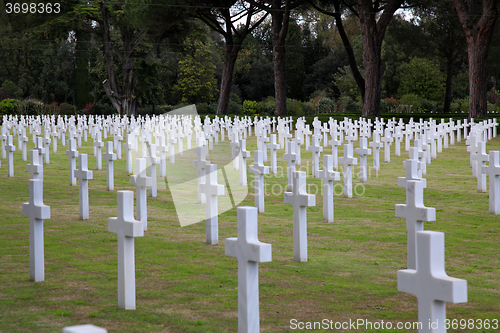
x=374 y=17
x=222 y=16
x=280 y=14
x=478 y=24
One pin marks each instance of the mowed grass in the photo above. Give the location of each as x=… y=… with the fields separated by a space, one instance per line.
x=183 y=285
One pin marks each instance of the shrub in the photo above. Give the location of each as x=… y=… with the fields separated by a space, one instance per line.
x=308 y=108
x=31 y=107
x=206 y=108
x=8 y=106
x=412 y=99
x=102 y=109
x=325 y=105
x=250 y=108
x=349 y=105
x=233 y=107
x=429 y=106
x=66 y=109
x=294 y=107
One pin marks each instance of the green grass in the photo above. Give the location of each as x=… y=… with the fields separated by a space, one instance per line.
x=183 y=285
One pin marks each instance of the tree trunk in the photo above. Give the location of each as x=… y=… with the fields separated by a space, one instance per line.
x=372 y=59
x=280 y=19
x=477 y=77
x=123 y=97
x=373 y=32
x=227 y=78
x=478 y=32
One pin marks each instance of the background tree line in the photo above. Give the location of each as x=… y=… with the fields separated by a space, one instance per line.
x=278 y=57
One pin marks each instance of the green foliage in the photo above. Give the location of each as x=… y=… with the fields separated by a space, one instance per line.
x=250 y=108
x=102 y=109
x=206 y=108
x=349 y=105
x=294 y=61
x=412 y=99
x=346 y=83
x=422 y=77
x=8 y=106
x=325 y=105
x=294 y=108
x=12 y=89
x=67 y=109
x=197 y=82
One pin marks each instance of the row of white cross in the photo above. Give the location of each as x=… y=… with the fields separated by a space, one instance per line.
x=127 y=227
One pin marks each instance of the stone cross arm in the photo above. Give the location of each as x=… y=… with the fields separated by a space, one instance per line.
x=125 y=221
x=35 y=208
x=430 y=281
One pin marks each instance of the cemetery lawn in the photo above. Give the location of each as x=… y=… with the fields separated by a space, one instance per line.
x=183 y=285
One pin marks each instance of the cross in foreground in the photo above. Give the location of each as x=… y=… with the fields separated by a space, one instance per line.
x=37 y=212
x=249 y=251
x=126 y=227
x=430 y=283
x=300 y=201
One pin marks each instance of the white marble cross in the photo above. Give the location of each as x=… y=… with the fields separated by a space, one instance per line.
x=363 y=151
x=24 y=143
x=37 y=212
x=98 y=144
x=141 y=183
x=72 y=153
x=335 y=143
x=415 y=214
x=83 y=174
x=10 y=156
x=493 y=171
x=430 y=283
x=398 y=136
x=412 y=167
x=35 y=168
x=152 y=162
x=89 y=328
x=291 y=157
x=3 y=140
x=211 y=190
x=273 y=146
x=126 y=228
x=348 y=161
x=315 y=149
x=387 y=140
x=249 y=251
x=259 y=170
x=117 y=140
x=128 y=146
x=200 y=164
x=244 y=154
x=235 y=150
x=171 y=141
x=375 y=144
x=46 y=141
x=41 y=152
x=328 y=176
x=479 y=160
x=109 y=156
x=54 y=135
x=300 y=200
